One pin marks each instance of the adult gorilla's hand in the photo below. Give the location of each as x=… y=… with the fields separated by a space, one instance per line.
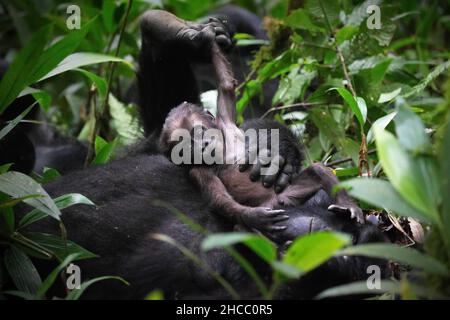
x=289 y=156
x=166 y=29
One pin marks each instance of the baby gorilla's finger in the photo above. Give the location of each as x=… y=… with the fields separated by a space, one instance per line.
x=280 y=218
x=277 y=228
x=273 y=213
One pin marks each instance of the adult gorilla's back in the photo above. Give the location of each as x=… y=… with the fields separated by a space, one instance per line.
x=119 y=228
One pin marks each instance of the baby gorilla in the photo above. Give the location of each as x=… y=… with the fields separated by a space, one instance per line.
x=229 y=190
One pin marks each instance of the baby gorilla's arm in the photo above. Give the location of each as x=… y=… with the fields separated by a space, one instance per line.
x=262 y=219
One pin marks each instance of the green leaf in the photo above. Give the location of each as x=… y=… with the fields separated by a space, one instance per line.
x=5 y=130
x=104 y=151
x=61 y=202
x=380 y=123
x=411 y=131
x=17 y=76
x=19 y=185
x=22 y=271
x=359 y=288
x=53 y=55
x=325 y=10
x=81 y=59
x=76 y=293
x=5 y=167
x=346 y=33
x=310 y=251
x=100 y=83
x=48 y=282
x=108 y=10
x=428 y=79
x=300 y=19
x=381 y=194
x=357 y=104
x=49 y=175
x=389 y=96
x=405 y=174
x=393 y=252
x=359 y=13
x=260 y=245
x=59 y=247
x=42 y=97
x=445 y=179
x=155 y=295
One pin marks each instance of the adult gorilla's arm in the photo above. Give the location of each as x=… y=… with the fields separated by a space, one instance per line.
x=165 y=76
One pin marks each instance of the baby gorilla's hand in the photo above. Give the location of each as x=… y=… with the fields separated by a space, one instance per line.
x=264 y=219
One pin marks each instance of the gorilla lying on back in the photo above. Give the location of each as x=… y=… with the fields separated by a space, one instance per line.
x=120 y=228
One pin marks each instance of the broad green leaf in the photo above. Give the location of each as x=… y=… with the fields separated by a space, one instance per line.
x=105 y=153
x=358 y=288
x=346 y=33
x=394 y=252
x=380 y=123
x=5 y=167
x=49 y=175
x=428 y=79
x=99 y=144
x=445 y=179
x=389 y=96
x=100 y=83
x=59 y=247
x=42 y=97
x=357 y=104
x=17 y=76
x=361 y=287
x=286 y=270
x=22 y=271
x=300 y=19
x=8 y=220
x=81 y=59
x=405 y=173
x=48 y=282
x=327 y=11
x=53 y=55
x=310 y=251
x=252 y=42
x=260 y=245
x=411 y=131
x=359 y=13
x=61 y=202
x=108 y=10
x=381 y=194
x=76 y=293
x=19 y=185
x=5 y=130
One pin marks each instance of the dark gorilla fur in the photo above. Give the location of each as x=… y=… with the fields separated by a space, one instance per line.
x=119 y=229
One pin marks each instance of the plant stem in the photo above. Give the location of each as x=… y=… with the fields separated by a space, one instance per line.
x=105 y=106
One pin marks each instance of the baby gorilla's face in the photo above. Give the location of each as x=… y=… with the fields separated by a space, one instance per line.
x=190 y=118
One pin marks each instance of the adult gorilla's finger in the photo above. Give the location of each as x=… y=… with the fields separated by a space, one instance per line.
x=269 y=180
x=224 y=42
x=282 y=182
x=255 y=173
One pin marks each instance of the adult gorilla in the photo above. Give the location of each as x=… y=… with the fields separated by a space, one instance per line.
x=120 y=228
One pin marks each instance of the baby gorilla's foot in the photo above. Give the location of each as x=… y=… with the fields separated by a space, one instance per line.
x=265 y=220
x=352 y=209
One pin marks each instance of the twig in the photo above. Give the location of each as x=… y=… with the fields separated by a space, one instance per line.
x=340 y=161
x=288 y=106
